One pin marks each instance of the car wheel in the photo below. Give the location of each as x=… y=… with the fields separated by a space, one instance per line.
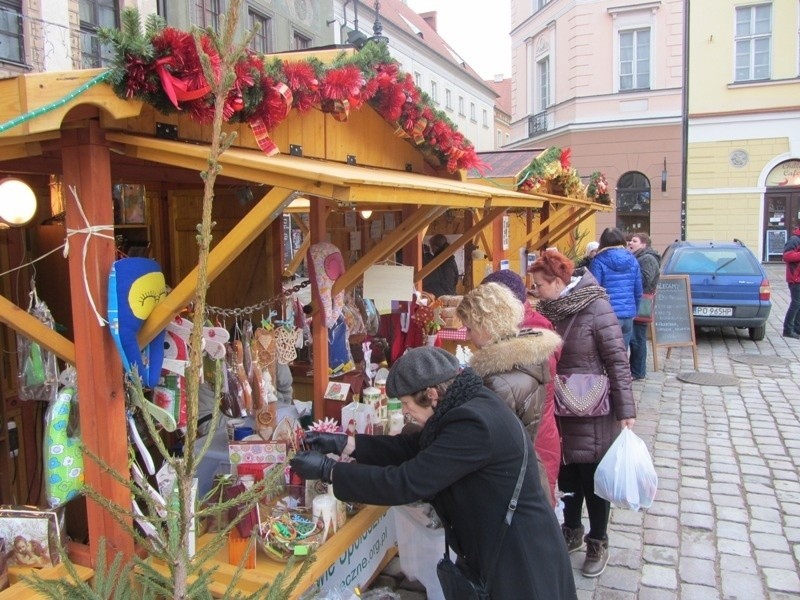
x=757 y=333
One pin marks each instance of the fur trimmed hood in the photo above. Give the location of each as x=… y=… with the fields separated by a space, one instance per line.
x=531 y=347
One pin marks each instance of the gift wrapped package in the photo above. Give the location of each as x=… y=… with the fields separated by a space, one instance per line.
x=359 y=418
x=32 y=535
x=254 y=457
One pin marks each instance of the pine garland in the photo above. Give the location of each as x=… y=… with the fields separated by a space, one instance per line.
x=160 y=66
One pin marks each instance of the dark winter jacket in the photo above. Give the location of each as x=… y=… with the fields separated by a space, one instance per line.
x=649 y=265
x=618 y=272
x=443 y=279
x=468 y=472
x=518 y=370
x=791 y=256
x=594 y=345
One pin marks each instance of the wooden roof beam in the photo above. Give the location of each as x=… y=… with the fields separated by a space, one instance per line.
x=400 y=236
x=556 y=233
x=488 y=217
x=29 y=326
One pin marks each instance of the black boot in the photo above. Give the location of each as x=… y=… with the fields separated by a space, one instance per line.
x=596 y=557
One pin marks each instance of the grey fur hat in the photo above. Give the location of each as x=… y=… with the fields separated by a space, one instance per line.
x=419 y=369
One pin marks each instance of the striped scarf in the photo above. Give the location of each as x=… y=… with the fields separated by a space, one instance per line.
x=572 y=303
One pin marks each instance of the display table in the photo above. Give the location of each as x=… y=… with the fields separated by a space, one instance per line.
x=452 y=338
x=20 y=590
x=352 y=557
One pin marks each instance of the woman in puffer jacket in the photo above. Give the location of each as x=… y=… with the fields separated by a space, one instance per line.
x=592 y=344
x=617 y=270
x=513 y=363
x=548 y=440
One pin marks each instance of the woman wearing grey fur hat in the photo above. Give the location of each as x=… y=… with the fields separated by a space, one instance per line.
x=465 y=461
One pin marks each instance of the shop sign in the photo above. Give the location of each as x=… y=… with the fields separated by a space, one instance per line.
x=356 y=566
x=785 y=174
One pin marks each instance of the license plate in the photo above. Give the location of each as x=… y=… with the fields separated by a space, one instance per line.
x=713 y=311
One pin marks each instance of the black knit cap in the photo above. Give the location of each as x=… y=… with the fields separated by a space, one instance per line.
x=419 y=369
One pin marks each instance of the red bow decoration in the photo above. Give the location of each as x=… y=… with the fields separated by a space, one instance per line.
x=399 y=131
x=259 y=129
x=175 y=88
x=419 y=129
x=339 y=109
x=566 y=155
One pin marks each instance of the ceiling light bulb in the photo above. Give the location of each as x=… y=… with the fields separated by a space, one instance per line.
x=17 y=202
x=366 y=214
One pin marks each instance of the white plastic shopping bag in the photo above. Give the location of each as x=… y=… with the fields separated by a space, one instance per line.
x=626 y=476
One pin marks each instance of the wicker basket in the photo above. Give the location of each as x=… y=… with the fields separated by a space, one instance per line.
x=450 y=318
x=450 y=301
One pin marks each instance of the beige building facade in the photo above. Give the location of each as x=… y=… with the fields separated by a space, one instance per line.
x=605 y=78
x=743 y=178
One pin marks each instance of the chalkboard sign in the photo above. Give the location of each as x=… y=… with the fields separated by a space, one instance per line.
x=673 y=324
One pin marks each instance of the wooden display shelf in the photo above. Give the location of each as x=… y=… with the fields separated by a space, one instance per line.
x=20 y=590
x=267 y=569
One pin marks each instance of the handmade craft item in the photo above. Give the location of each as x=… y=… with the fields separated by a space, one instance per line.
x=324 y=509
x=63 y=455
x=325 y=266
x=135 y=287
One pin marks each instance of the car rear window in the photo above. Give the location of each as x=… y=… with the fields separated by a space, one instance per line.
x=716 y=261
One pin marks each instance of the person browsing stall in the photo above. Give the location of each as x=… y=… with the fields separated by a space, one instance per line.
x=515 y=363
x=592 y=345
x=465 y=461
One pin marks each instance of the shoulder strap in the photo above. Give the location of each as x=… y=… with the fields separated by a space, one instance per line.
x=566 y=332
x=512 y=506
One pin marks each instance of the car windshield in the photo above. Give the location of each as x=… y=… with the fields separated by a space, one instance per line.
x=716 y=261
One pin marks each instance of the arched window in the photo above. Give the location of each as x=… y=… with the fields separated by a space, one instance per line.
x=633 y=202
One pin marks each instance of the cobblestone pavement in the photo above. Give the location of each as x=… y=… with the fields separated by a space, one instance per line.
x=726 y=520
x=725 y=524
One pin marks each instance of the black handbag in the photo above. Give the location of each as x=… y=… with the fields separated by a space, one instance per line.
x=458 y=581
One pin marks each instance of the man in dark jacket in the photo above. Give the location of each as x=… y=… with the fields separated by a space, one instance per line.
x=791 y=256
x=466 y=460
x=649 y=265
x=443 y=279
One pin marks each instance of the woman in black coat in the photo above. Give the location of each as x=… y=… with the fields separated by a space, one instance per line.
x=465 y=461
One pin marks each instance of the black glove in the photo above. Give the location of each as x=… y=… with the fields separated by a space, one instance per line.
x=333 y=443
x=313 y=465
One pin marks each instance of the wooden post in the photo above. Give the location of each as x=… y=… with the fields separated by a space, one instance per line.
x=318 y=217
x=497 y=243
x=86 y=165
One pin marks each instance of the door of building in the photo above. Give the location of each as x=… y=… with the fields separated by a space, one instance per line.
x=781 y=210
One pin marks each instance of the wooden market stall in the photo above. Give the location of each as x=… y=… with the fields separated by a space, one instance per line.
x=66 y=128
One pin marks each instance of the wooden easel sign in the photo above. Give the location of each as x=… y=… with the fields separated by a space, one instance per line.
x=673 y=323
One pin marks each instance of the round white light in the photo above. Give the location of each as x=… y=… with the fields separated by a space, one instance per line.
x=17 y=202
x=366 y=214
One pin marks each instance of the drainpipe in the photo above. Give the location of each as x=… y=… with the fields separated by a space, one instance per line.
x=685 y=116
